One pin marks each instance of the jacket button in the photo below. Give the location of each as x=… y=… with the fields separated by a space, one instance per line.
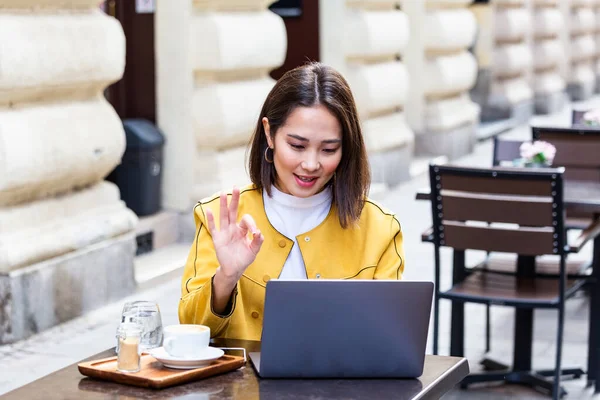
x=307 y=239
x=266 y=278
x=318 y=276
x=254 y=314
x=282 y=243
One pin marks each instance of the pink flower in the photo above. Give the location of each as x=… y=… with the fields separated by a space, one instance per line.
x=538 y=152
x=592 y=117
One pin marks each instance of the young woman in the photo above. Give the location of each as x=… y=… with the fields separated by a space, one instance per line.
x=306 y=214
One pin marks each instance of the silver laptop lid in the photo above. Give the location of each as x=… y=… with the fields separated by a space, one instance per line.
x=344 y=329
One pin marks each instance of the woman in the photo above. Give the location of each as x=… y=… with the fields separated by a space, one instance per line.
x=305 y=215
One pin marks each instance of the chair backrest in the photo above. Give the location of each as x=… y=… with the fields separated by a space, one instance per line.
x=506 y=150
x=577 y=150
x=577 y=117
x=510 y=210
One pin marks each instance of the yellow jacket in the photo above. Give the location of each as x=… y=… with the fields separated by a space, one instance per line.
x=372 y=249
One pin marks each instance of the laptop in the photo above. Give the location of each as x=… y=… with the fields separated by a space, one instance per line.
x=344 y=329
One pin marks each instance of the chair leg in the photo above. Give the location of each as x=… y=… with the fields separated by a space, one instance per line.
x=487 y=328
x=556 y=392
x=436 y=323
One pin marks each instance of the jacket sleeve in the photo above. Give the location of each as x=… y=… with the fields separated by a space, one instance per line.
x=195 y=306
x=391 y=263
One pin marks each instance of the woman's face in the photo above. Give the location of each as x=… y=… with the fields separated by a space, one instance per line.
x=307 y=149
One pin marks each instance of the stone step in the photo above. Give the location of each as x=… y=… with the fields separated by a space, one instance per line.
x=157 y=230
x=160 y=262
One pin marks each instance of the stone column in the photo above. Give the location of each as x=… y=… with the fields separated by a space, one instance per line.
x=66 y=238
x=442 y=71
x=504 y=86
x=365 y=40
x=548 y=85
x=213 y=60
x=579 y=47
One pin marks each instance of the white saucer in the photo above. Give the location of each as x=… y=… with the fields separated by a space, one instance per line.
x=209 y=355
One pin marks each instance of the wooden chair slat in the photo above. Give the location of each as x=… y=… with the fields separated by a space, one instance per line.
x=498 y=287
x=480 y=184
x=525 y=241
x=516 y=210
x=582 y=174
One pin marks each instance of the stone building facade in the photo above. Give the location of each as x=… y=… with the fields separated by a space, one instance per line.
x=66 y=238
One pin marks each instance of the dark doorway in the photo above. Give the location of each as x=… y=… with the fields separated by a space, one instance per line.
x=301 y=19
x=134 y=96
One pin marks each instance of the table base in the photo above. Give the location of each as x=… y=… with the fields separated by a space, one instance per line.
x=538 y=380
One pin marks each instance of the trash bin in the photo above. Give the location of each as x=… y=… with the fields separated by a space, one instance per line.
x=139 y=174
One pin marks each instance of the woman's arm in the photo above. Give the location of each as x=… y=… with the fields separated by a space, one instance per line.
x=391 y=263
x=195 y=306
x=217 y=260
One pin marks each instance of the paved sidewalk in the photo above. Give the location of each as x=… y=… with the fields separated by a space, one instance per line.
x=68 y=343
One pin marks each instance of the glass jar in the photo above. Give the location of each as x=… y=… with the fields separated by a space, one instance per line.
x=128 y=347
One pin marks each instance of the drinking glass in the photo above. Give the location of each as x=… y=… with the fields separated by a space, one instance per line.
x=147 y=315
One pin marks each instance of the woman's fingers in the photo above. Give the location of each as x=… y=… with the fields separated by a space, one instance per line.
x=210 y=221
x=233 y=206
x=256 y=243
x=247 y=224
x=223 y=212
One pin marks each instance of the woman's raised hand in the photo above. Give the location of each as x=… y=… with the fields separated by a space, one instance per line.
x=235 y=250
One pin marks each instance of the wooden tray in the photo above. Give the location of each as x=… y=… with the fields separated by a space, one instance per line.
x=153 y=374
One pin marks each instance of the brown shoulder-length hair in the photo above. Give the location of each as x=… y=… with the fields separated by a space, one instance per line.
x=310 y=85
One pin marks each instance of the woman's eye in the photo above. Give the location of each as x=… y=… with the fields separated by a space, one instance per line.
x=330 y=151
x=297 y=146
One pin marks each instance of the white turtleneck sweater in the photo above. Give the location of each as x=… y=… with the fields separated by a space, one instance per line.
x=293 y=216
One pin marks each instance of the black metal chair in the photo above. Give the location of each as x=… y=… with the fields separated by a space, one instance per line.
x=506 y=210
x=505 y=150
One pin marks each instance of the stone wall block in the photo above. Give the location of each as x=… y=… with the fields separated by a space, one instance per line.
x=512 y=59
x=511 y=24
x=38 y=64
x=224 y=114
x=450 y=74
x=34 y=5
x=450 y=113
x=583 y=20
x=375 y=33
x=62 y=224
x=581 y=3
x=548 y=82
x=227 y=41
x=48 y=293
x=52 y=148
x=386 y=132
x=511 y=91
x=547 y=22
x=583 y=73
x=228 y=170
x=583 y=48
x=378 y=87
x=448 y=3
x=230 y=5
x=450 y=29
x=547 y=54
x=510 y=3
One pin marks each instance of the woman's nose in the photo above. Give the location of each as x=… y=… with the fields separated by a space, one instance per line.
x=311 y=163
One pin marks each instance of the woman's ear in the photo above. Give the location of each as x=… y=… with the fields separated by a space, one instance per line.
x=267 y=128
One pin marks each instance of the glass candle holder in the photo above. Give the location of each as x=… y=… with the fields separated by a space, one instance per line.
x=129 y=352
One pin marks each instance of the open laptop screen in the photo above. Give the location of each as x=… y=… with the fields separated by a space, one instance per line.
x=343 y=329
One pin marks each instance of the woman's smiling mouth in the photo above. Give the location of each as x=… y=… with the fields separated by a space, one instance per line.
x=305 y=181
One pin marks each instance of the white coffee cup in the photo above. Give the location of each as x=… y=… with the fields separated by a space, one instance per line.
x=186 y=340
